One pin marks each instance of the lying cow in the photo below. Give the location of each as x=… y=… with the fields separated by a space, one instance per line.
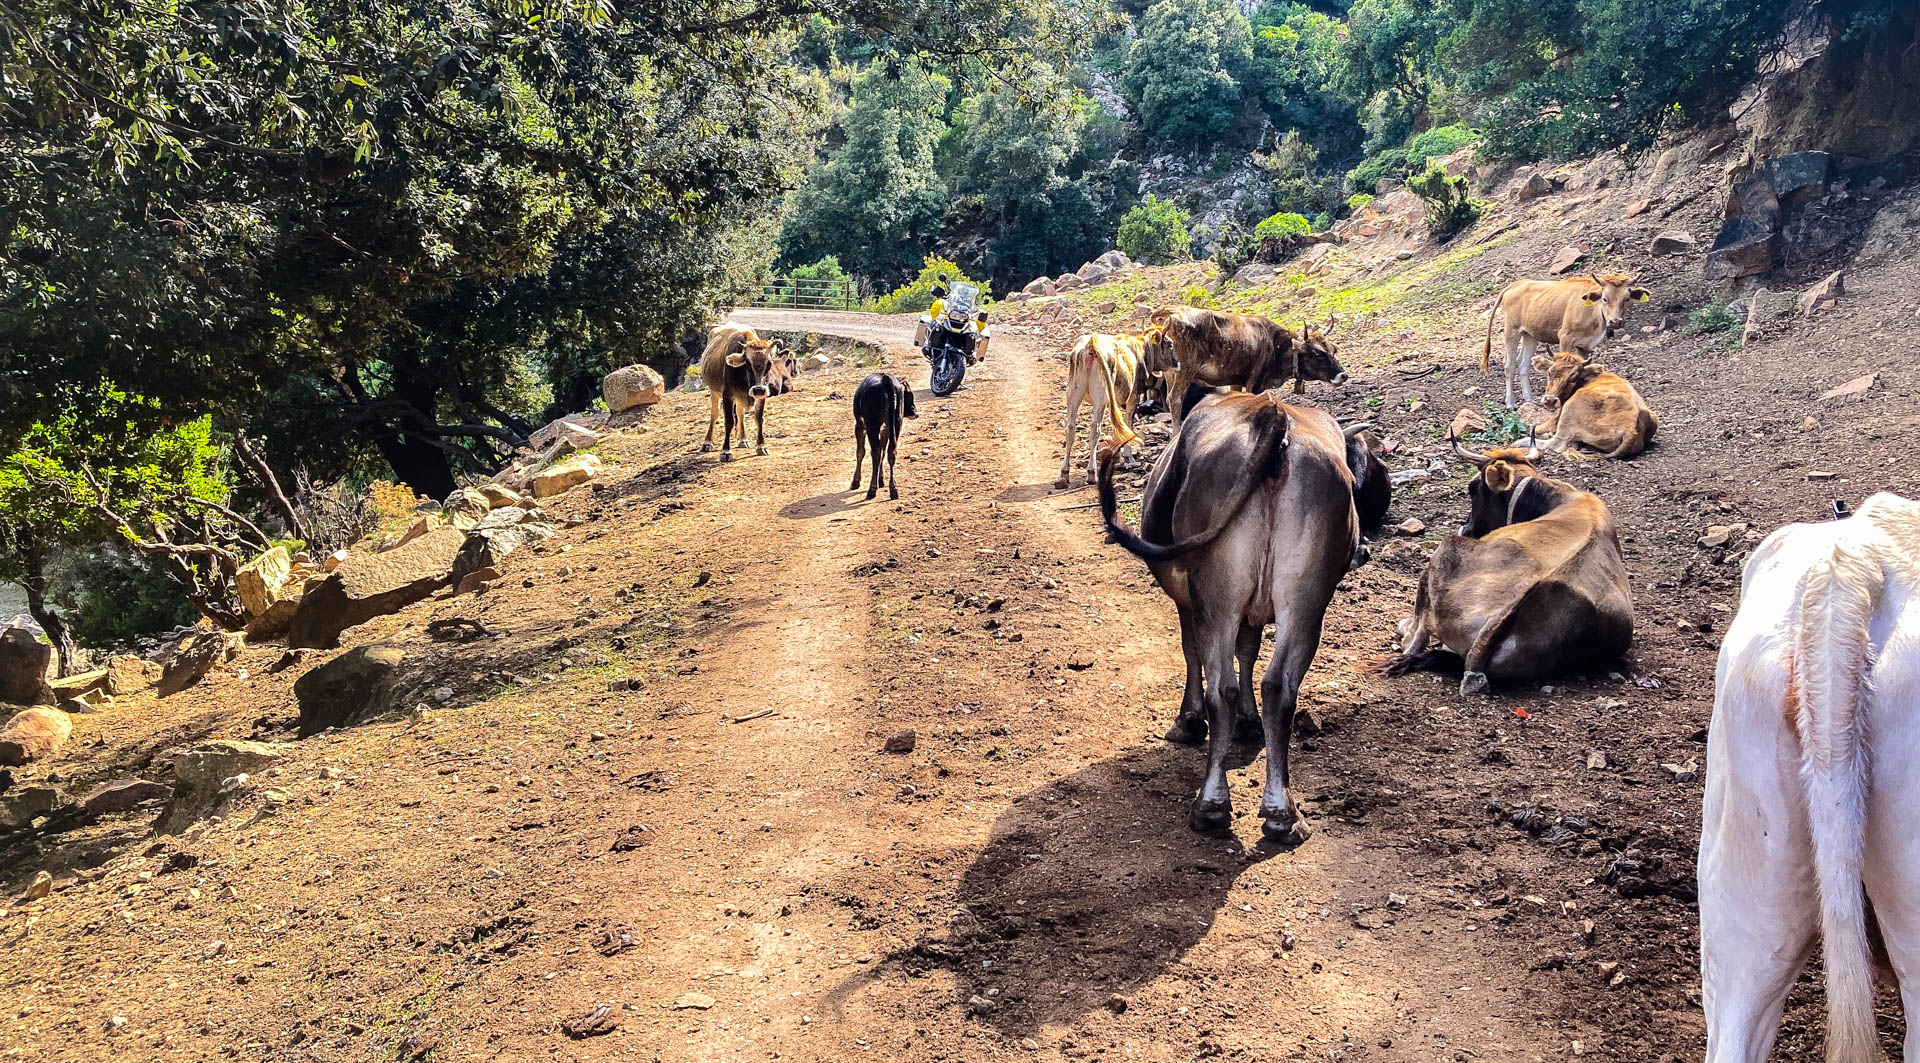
x=1575 y=314
x=1247 y=520
x=1807 y=823
x=1111 y=372
x=1213 y=348
x=1533 y=586
x=1594 y=408
x=879 y=403
x=741 y=371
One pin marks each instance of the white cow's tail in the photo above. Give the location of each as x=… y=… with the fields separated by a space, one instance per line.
x=1831 y=662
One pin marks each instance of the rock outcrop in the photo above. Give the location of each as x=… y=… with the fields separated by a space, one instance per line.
x=564 y=475
x=212 y=772
x=35 y=734
x=24 y=661
x=370 y=585
x=194 y=658
x=359 y=683
x=632 y=386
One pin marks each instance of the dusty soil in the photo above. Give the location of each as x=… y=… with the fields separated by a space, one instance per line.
x=1022 y=882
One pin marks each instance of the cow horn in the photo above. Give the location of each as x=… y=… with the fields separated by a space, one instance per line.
x=1468 y=455
x=1356 y=428
x=1327 y=329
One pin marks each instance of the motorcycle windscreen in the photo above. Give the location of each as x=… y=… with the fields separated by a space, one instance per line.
x=962 y=300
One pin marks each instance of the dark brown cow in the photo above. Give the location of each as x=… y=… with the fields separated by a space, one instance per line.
x=741 y=372
x=1245 y=351
x=1533 y=586
x=1372 y=491
x=1247 y=520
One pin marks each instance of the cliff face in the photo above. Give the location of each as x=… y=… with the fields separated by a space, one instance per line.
x=1859 y=100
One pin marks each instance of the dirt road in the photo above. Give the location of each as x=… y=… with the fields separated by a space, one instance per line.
x=731 y=862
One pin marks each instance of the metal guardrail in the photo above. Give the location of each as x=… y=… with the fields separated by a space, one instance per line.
x=808 y=293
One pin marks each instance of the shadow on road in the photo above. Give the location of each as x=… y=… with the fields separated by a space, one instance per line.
x=1088 y=887
x=825 y=505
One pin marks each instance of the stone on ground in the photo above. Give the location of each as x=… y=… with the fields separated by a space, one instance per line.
x=357 y=684
x=631 y=386
x=563 y=476
x=374 y=585
x=35 y=734
x=194 y=658
x=260 y=580
x=24 y=662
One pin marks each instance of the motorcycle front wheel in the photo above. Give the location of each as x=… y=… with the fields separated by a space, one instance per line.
x=949 y=368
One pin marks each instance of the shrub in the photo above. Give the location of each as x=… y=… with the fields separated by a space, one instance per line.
x=110 y=598
x=917 y=294
x=1438 y=141
x=1449 y=207
x=1283 y=224
x=1713 y=317
x=1391 y=163
x=1154 y=232
x=1235 y=248
x=1322 y=222
x=1359 y=201
x=1504 y=427
x=1196 y=295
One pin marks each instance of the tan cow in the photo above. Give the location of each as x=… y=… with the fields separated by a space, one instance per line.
x=1534 y=584
x=1216 y=349
x=1110 y=372
x=1593 y=408
x=1574 y=314
x=741 y=371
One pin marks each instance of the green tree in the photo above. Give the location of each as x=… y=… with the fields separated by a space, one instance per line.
x=917 y=294
x=1183 y=73
x=878 y=199
x=1155 y=231
x=1297 y=54
x=1387 y=64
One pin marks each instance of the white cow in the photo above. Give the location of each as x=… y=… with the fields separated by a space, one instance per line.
x=1813 y=783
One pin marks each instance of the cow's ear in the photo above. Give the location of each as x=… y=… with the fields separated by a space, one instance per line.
x=1155 y=334
x=1639 y=294
x=907 y=393
x=736 y=360
x=1590 y=297
x=1542 y=362
x=1497 y=476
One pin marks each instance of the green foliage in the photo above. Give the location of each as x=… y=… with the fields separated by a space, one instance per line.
x=1234 y=248
x=917 y=294
x=109 y=598
x=1713 y=317
x=1504 y=426
x=1197 y=295
x=1449 y=206
x=1283 y=224
x=1359 y=201
x=1155 y=231
x=877 y=199
x=1399 y=162
x=1299 y=184
x=1297 y=52
x=1183 y=73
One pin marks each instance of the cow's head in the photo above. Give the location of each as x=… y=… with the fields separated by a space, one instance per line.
x=770 y=368
x=1317 y=356
x=1158 y=355
x=1566 y=373
x=1497 y=497
x=1611 y=295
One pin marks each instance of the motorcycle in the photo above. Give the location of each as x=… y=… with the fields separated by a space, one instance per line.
x=953 y=335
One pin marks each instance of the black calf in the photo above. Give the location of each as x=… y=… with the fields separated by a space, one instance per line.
x=878 y=405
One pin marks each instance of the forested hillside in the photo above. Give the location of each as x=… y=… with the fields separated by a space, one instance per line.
x=1237 y=112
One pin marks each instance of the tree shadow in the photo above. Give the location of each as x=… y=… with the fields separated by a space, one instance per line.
x=1087 y=887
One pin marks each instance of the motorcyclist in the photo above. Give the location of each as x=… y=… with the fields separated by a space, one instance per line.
x=974 y=329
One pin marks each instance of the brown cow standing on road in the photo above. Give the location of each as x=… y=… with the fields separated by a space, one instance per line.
x=1214 y=349
x=741 y=371
x=1111 y=372
x=1247 y=520
x=1574 y=314
x=1533 y=586
x=1594 y=408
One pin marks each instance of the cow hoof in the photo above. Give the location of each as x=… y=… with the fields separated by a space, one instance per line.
x=854 y=486
x=1063 y=483
x=870 y=495
x=726 y=455
x=1285 y=833
x=706 y=448
x=893 y=495
x=1187 y=733
x=1474 y=683
x=1208 y=817
x=762 y=451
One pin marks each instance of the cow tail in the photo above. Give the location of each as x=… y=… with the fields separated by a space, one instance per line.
x=1123 y=432
x=1269 y=437
x=1830 y=663
x=1486 y=349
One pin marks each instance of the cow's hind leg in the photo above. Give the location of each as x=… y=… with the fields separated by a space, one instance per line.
x=713 y=415
x=1293 y=649
x=1190 y=726
x=1213 y=807
x=1246 y=725
x=877 y=442
x=893 y=446
x=1098 y=408
x=860 y=451
x=1073 y=430
x=1525 y=365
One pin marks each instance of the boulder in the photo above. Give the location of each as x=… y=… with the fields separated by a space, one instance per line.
x=80 y=686
x=274 y=622
x=201 y=776
x=1067 y=282
x=24 y=662
x=1038 y=286
x=630 y=386
x=1825 y=294
x=35 y=734
x=359 y=683
x=573 y=427
x=1763 y=308
x=1754 y=199
x=814 y=362
x=128 y=674
x=1466 y=422
x=564 y=475
x=194 y=658
x=498 y=495
x=373 y=585
x=122 y=796
x=19 y=810
x=1094 y=273
x=1743 y=248
x=1115 y=260
x=1801 y=176
x=1566 y=258
x=466 y=507
x=1016 y=297
x=1672 y=242
x=1531 y=186
x=487 y=548
x=259 y=581
x=477 y=580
